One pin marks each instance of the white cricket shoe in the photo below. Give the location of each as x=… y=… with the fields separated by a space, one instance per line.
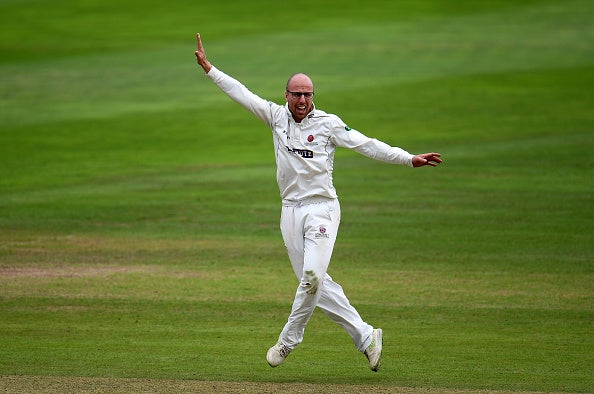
x=374 y=350
x=277 y=354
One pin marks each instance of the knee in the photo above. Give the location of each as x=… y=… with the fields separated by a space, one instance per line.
x=310 y=281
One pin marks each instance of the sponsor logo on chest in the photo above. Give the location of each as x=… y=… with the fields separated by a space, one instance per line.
x=305 y=153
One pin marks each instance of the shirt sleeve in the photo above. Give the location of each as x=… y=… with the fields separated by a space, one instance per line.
x=239 y=93
x=346 y=137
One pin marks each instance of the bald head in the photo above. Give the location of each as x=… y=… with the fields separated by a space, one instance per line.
x=299 y=79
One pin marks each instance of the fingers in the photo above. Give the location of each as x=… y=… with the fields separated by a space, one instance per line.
x=432 y=159
x=200 y=51
x=201 y=55
x=199 y=42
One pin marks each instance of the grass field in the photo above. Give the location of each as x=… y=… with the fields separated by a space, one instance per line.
x=139 y=241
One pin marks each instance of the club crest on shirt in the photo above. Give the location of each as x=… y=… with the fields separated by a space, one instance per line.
x=310 y=141
x=321 y=233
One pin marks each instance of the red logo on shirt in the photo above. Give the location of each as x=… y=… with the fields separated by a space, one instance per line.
x=310 y=138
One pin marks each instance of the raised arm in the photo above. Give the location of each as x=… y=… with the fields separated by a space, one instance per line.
x=201 y=56
x=258 y=106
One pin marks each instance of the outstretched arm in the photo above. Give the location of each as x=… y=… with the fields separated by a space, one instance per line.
x=201 y=56
x=346 y=137
x=426 y=159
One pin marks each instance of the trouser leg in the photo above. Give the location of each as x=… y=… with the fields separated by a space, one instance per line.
x=337 y=307
x=309 y=233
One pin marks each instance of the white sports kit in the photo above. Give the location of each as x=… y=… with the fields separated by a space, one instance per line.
x=310 y=214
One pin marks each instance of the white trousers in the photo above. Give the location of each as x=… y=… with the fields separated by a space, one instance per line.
x=309 y=232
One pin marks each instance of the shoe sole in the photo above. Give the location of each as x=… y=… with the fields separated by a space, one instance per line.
x=381 y=346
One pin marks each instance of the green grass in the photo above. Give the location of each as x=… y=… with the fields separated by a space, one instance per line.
x=139 y=211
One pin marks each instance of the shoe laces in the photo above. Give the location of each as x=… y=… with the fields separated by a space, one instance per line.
x=283 y=350
x=370 y=347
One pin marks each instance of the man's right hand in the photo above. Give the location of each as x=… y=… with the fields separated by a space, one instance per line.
x=201 y=56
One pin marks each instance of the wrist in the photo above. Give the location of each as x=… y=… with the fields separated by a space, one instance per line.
x=206 y=66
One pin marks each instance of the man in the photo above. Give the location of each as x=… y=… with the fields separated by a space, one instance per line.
x=305 y=140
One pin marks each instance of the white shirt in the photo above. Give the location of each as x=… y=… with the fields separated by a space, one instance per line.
x=305 y=151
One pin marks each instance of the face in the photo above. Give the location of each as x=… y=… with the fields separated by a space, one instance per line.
x=299 y=104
